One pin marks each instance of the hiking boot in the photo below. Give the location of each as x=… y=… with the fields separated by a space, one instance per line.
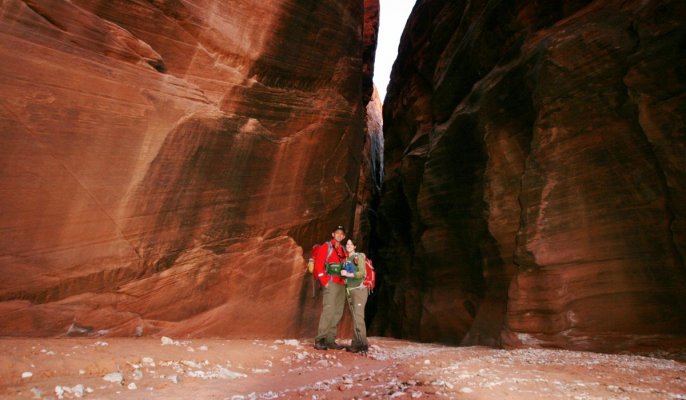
x=358 y=349
x=320 y=345
x=334 y=346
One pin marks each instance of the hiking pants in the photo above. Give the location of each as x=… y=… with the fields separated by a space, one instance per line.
x=358 y=298
x=334 y=301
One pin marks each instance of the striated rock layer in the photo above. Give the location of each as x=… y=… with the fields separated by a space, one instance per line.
x=535 y=184
x=164 y=163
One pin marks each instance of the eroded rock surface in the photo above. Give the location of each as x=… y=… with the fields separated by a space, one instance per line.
x=535 y=189
x=163 y=163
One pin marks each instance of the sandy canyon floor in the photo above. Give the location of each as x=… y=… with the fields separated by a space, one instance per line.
x=164 y=368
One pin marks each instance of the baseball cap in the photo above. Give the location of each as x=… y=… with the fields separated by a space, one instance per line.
x=338 y=227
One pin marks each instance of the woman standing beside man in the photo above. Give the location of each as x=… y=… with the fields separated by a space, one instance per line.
x=339 y=284
x=357 y=294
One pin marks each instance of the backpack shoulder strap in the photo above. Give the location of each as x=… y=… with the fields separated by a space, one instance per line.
x=328 y=253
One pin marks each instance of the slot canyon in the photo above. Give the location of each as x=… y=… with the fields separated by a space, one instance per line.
x=167 y=165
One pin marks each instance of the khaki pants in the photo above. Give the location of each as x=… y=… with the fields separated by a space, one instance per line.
x=358 y=298
x=334 y=301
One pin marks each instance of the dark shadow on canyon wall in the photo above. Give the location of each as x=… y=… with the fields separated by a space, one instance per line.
x=534 y=175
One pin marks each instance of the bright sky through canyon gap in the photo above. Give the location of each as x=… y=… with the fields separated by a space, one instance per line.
x=392 y=19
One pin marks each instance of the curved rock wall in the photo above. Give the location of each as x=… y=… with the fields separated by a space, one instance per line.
x=534 y=175
x=164 y=163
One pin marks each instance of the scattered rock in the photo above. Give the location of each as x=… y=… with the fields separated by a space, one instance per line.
x=78 y=390
x=260 y=371
x=78 y=330
x=166 y=341
x=227 y=374
x=442 y=383
x=114 y=377
x=37 y=393
x=192 y=364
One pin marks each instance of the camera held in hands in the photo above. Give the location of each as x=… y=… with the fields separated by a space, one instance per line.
x=348 y=270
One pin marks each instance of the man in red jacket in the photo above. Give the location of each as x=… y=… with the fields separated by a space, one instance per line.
x=328 y=263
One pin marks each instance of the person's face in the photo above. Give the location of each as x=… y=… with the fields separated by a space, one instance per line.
x=349 y=246
x=338 y=235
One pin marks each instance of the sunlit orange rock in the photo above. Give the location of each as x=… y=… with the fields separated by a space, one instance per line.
x=164 y=164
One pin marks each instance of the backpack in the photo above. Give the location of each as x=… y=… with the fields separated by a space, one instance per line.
x=315 y=249
x=370 y=279
x=370 y=275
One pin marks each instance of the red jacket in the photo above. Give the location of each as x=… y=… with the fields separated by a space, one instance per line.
x=338 y=255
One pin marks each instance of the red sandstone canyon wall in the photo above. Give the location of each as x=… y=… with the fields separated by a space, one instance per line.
x=535 y=187
x=163 y=164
